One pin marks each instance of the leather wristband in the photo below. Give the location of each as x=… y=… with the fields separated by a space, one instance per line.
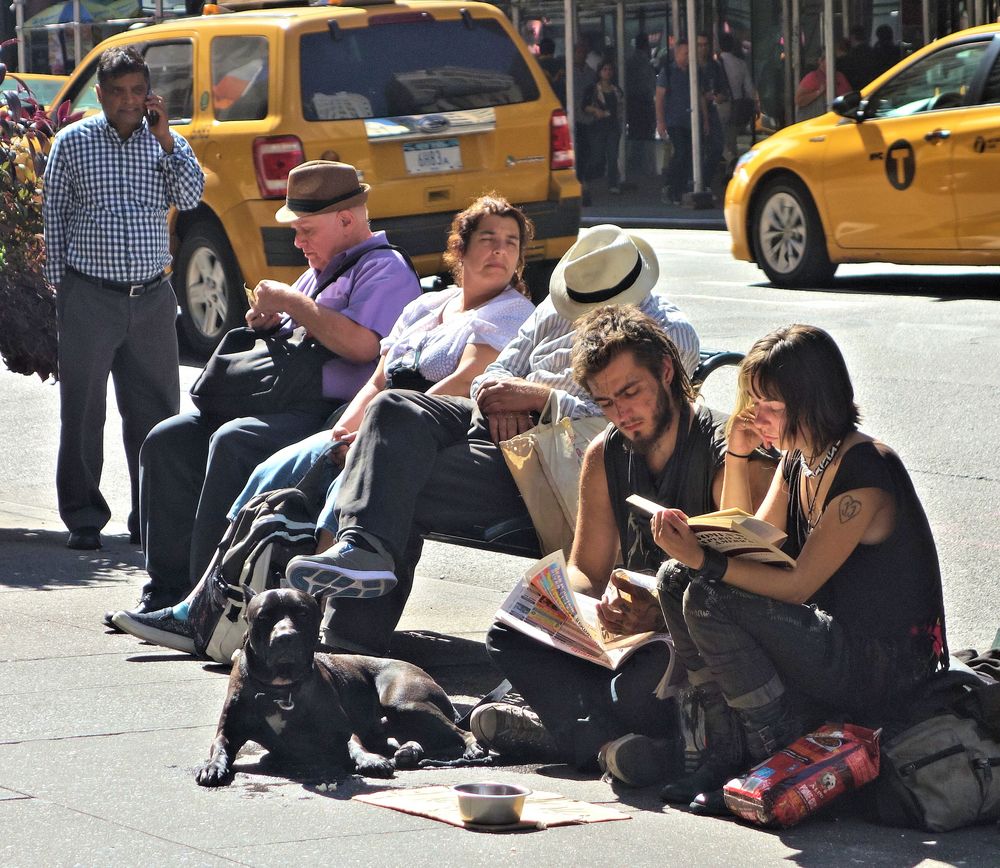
x=714 y=568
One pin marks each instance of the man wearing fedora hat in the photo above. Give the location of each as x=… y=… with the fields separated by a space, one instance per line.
x=192 y=466
x=433 y=463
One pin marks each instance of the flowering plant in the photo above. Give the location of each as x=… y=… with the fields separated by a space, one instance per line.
x=28 y=343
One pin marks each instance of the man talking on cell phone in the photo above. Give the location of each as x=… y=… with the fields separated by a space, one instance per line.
x=109 y=182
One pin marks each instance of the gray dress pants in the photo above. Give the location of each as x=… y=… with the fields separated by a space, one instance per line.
x=420 y=463
x=102 y=332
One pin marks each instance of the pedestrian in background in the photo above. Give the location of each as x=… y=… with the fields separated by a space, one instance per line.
x=810 y=96
x=553 y=67
x=583 y=80
x=712 y=82
x=604 y=102
x=640 y=113
x=739 y=111
x=109 y=182
x=673 y=122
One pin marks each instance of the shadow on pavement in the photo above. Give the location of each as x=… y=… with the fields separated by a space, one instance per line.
x=939 y=287
x=39 y=559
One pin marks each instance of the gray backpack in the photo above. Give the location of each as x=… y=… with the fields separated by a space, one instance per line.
x=943 y=773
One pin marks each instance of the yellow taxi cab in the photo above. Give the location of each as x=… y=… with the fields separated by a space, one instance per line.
x=906 y=171
x=434 y=102
x=41 y=87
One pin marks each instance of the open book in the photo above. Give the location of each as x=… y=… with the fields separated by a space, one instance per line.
x=733 y=532
x=542 y=605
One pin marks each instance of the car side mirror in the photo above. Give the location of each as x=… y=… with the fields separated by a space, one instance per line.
x=849 y=106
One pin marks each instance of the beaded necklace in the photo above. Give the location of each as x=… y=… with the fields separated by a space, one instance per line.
x=816 y=474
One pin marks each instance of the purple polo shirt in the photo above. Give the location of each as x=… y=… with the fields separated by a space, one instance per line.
x=372 y=293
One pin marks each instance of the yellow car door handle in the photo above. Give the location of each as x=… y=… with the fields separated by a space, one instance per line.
x=937 y=135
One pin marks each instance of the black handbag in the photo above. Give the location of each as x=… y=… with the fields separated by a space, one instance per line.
x=254 y=373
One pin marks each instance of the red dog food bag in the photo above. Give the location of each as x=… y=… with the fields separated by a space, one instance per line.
x=808 y=774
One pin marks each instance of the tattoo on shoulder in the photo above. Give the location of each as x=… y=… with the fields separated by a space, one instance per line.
x=848 y=508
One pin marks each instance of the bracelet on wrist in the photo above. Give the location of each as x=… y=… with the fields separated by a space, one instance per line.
x=739 y=454
x=714 y=568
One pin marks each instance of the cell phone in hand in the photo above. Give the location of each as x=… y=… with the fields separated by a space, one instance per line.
x=151 y=116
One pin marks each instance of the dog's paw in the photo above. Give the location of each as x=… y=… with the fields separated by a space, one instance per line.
x=475 y=751
x=374 y=766
x=213 y=773
x=408 y=756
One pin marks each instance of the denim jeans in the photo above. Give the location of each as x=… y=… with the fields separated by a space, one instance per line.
x=757 y=648
x=285 y=468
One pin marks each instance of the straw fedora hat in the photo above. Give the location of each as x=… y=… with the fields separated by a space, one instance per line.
x=319 y=187
x=607 y=265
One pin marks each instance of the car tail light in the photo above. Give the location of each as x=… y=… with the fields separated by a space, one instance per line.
x=561 y=156
x=273 y=158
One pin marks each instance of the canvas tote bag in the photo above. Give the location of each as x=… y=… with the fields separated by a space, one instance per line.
x=545 y=463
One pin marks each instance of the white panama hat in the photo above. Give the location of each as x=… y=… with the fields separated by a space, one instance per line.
x=607 y=265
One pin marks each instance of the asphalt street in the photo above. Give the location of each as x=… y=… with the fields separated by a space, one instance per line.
x=99 y=734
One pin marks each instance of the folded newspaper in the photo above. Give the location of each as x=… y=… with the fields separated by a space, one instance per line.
x=542 y=605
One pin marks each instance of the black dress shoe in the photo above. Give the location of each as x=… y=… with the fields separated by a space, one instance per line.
x=85 y=539
x=150 y=601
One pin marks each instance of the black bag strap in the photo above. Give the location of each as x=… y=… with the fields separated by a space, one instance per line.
x=351 y=261
x=495 y=695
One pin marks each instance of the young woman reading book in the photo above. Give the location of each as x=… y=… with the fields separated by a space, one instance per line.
x=855 y=625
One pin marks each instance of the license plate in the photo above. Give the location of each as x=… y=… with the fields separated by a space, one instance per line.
x=443 y=155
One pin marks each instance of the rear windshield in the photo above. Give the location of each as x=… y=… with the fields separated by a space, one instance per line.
x=411 y=68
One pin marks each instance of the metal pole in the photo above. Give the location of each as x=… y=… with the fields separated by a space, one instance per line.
x=675 y=20
x=77 y=40
x=569 y=12
x=793 y=58
x=828 y=48
x=692 y=35
x=925 y=20
x=515 y=15
x=620 y=40
x=22 y=37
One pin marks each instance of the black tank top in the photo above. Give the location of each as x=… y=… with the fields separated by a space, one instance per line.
x=684 y=483
x=889 y=592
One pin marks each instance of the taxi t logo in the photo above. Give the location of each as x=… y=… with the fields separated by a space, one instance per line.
x=900 y=164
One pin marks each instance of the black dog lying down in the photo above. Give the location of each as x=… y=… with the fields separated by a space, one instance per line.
x=335 y=711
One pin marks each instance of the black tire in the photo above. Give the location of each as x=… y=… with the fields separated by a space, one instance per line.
x=209 y=287
x=788 y=238
x=537 y=276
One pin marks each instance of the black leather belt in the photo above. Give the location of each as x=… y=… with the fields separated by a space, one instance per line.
x=130 y=289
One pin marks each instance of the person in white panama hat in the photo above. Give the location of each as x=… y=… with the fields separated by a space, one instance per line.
x=432 y=462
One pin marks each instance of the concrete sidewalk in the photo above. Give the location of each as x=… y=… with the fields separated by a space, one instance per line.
x=99 y=736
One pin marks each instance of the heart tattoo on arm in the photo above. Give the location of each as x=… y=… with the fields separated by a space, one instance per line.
x=848 y=508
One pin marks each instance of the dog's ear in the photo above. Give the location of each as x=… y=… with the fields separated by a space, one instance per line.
x=248 y=594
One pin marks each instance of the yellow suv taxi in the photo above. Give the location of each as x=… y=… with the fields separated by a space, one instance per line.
x=433 y=101
x=906 y=171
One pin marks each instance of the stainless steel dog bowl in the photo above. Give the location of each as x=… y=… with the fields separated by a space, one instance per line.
x=490 y=803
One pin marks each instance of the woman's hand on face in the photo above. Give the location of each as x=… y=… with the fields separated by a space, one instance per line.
x=744 y=436
x=635 y=610
x=671 y=533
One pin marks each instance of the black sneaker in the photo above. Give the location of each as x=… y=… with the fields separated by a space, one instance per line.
x=159 y=628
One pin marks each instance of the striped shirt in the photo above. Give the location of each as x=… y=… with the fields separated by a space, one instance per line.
x=541 y=353
x=105 y=201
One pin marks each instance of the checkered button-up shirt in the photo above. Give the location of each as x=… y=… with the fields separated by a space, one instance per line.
x=105 y=201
